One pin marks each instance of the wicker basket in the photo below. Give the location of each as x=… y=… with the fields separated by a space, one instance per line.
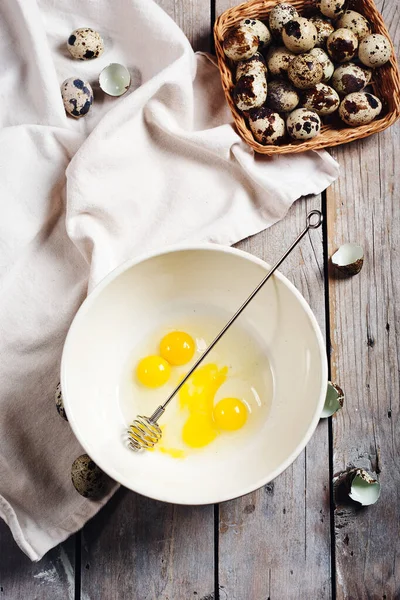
x=386 y=80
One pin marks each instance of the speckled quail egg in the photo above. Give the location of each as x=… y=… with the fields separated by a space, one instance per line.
x=259 y=29
x=321 y=98
x=350 y=78
x=342 y=45
x=77 y=96
x=331 y=8
x=359 y=108
x=299 y=35
x=356 y=22
x=250 y=92
x=267 y=126
x=240 y=43
x=278 y=60
x=281 y=96
x=85 y=44
x=255 y=65
x=305 y=71
x=59 y=402
x=374 y=50
x=88 y=479
x=326 y=63
x=281 y=13
x=303 y=124
x=324 y=30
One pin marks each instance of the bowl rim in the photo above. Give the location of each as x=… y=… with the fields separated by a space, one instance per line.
x=140 y=486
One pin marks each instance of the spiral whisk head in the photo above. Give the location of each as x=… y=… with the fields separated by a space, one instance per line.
x=143 y=434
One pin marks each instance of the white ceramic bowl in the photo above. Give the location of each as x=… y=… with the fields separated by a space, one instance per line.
x=129 y=303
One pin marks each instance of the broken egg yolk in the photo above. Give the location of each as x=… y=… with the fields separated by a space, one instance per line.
x=177 y=348
x=230 y=414
x=153 y=371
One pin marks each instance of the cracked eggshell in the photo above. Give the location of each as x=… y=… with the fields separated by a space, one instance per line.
x=299 y=35
x=342 y=45
x=281 y=96
x=334 y=400
x=324 y=29
x=267 y=126
x=85 y=44
x=364 y=488
x=356 y=22
x=360 y=108
x=331 y=8
x=350 y=78
x=115 y=80
x=326 y=63
x=255 y=65
x=303 y=124
x=259 y=29
x=240 y=43
x=375 y=50
x=278 y=61
x=280 y=15
x=77 y=96
x=305 y=71
x=348 y=259
x=321 y=98
x=88 y=479
x=250 y=92
x=60 y=402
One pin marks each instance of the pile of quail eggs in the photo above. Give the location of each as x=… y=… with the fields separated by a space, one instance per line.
x=294 y=71
x=77 y=94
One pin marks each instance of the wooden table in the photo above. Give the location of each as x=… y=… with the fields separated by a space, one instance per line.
x=287 y=541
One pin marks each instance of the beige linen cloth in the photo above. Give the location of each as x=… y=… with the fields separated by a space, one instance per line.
x=161 y=165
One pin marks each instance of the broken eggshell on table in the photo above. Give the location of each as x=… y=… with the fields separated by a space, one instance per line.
x=364 y=489
x=115 y=80
x=348 y=259
x=334 y=400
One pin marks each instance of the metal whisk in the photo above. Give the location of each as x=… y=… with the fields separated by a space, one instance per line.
x=144 y=432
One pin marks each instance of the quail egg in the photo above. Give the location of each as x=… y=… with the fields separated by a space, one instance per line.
x=324 y=30
x=250 y=92
x=326 y=63
x=278 y=60
x=356 y=22
x=342 y=45
x=321 y=98
x=299 y=35
x=279 y=15
x=88 y=479
x=375 y=50
x=259 y=29
x=305 y=71
x=254 y=65
x=359 y=108
x=331 y=8
x=303 y=124
x=281 y=96
x=240 y=43
x=77 y=96
x=350 y=78
x=267 y=126
x=85 y=44
x=60 y=402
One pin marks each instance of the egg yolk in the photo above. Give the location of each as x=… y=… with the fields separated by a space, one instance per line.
x=177 y=348
x=230 y=414
x=197 y=396
x=153 y=371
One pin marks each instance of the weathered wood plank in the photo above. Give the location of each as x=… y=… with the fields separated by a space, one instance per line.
x=364 y=315
x=138 y=548
x=275 y=542
x=52 y=578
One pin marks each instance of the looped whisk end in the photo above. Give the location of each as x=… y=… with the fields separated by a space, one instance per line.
x=143 y=434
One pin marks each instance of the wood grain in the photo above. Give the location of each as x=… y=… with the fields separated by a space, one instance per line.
x=193 y=17
x=52 y=578
x=363 y=206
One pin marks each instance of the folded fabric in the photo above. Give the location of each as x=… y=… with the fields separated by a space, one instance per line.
x=160 y=165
